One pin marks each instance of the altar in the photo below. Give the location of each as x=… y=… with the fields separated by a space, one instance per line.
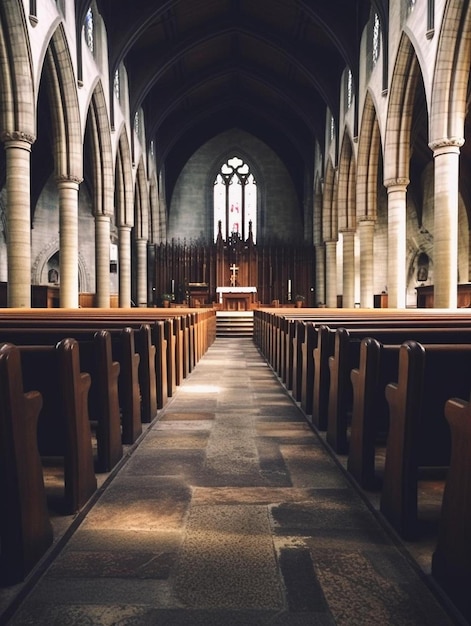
x=236 y=298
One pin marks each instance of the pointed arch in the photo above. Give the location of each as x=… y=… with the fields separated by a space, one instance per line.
x=347 y=186
x=369 y=154
x=124 y=184
x=450 y=83
x=65 y=114
x=400 y=113
x=17 y=105
x=329 y=207
x=141 y=204
x=98 y=145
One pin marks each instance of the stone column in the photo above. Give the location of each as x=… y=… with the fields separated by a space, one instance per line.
x=320 y=274
x=397 y=221
x=102 y=260
x=68 y=241
x=348 y=271
x=445 y=239
x=141 y=254
x=331 y=273
x=151 y=295
x=18 y=161
x=124 y=266
x=366 y=231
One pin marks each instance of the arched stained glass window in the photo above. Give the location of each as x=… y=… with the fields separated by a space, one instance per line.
x=376 y=32
x=89 y=30
x=349 y=88
x=116 y=85
x=235 y=200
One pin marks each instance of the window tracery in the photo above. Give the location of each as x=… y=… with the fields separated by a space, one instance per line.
x=235 y=200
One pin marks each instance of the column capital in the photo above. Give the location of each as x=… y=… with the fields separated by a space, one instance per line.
x=68 y=178
x=446 y=144
x=400 y=182
x=102 y=217
x=12 y=136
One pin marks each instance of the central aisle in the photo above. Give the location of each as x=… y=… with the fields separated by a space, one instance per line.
x=230 y=512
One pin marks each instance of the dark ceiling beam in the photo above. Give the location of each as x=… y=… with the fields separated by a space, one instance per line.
x=147 y=80
x=304 y=106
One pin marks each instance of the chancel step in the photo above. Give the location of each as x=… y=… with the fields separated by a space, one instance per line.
x=234 y=324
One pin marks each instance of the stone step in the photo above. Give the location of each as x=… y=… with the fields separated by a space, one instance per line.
x=234 y=324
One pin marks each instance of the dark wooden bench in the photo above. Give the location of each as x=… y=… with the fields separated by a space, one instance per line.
x=321 y=383
x=123 y=351
x=451 y=560
x=377 y=366
x=307 y=366
x=341 y=355
x=195 y=330
x=25 y=528
x=64 y=425
x=419 y=435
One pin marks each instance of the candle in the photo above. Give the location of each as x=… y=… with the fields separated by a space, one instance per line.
x=173 y=286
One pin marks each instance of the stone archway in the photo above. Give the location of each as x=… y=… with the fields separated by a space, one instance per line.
x=44 y=262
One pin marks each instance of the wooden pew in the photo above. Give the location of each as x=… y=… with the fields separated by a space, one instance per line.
x=64 y=424
x=104 y=399
x=162 y=357
x=418 y=434
x=344 y=356
x=378 y=365
x=146 y=372
x=308 y=366
x=320 y=401
x=25 y=528
x=451 y=560
x=123 y=351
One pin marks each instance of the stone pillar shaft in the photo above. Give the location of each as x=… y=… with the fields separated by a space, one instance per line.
x=320 y=274
x=68 y=246
x=141 y=253
x=397 y=221
x=348 y=271
x=18 y=159
x=124 y=266
x=366 y=230
x=331 y=273
x=445 y=247
x=102 y=260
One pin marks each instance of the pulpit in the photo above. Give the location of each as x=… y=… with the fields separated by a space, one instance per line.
x=236 y=298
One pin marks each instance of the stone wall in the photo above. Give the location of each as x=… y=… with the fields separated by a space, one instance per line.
x=191 y=207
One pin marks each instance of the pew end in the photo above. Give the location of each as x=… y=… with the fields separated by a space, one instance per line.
x=25 y=527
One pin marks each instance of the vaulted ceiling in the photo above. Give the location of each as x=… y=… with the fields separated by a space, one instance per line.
x=270 y=67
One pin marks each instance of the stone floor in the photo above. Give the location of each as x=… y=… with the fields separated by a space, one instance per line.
x=230 y=511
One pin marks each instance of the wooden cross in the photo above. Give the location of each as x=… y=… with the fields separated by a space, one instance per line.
x=234 y=270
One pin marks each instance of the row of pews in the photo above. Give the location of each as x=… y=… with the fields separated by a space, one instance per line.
x=75 y=387
x=390 y=389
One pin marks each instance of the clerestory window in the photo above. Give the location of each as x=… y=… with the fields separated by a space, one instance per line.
x=89 y=30
x=376 y=34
